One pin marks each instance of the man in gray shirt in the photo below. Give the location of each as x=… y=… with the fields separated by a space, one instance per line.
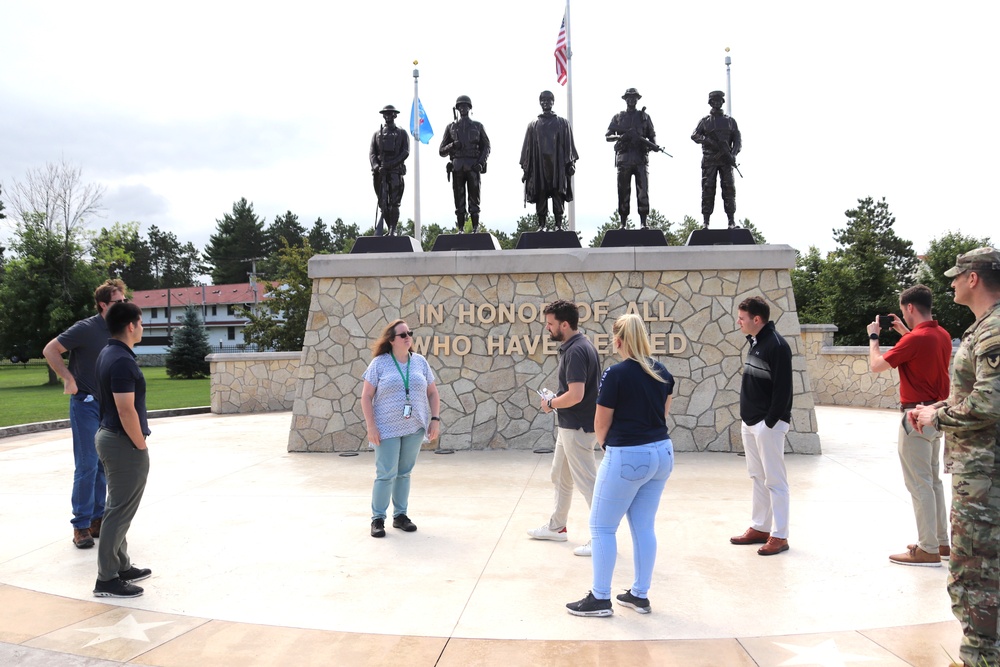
x=84 y=341
x=576 y=402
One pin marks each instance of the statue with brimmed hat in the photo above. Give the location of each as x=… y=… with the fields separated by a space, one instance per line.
x=634 y=137
x=721 y=142
x=466 y=144
x=389 y=148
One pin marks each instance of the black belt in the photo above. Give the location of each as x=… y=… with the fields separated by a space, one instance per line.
x=909 y=406
x=120 y=434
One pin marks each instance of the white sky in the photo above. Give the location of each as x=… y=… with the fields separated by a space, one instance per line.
x=182 y=108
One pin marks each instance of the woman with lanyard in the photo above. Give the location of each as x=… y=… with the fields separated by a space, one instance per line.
x=632 y=406
x=400 y=402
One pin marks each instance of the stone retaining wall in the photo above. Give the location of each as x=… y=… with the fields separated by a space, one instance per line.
x=840 y=373
x=258 y=382
x=477 y=317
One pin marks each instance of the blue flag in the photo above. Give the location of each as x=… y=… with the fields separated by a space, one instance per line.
x=425 y=132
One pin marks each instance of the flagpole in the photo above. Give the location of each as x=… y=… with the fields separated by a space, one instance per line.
x=569 y=105
x=729 y=90
x=415 y=119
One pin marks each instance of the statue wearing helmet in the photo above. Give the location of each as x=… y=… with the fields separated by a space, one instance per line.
x=466 y=144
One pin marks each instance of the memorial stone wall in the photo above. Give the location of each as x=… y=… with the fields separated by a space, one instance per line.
x=478 y=319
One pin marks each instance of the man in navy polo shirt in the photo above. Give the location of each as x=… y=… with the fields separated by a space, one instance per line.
x=121 y=444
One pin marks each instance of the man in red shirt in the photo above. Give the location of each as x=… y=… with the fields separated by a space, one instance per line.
x=922 y=357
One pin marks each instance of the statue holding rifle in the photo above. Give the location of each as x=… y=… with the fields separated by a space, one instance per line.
x=389 y=148
x=634 y=137
x=720 y=142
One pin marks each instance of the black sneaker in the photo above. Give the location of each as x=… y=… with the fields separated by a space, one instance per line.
x=135 y=574
x=378 y=527
x=641 y=605
x=403 y=522
x=116 y=588
x=590 y=606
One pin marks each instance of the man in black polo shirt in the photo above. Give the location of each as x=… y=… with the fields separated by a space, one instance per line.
x=576 y=403
x=121 y=444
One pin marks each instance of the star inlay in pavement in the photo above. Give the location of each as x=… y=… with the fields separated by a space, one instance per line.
x=825 y=654
x=127 y=628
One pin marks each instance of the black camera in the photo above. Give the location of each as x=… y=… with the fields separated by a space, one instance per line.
x=885 y=321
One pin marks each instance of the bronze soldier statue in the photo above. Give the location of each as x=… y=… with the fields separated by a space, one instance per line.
x=548 y=160
x=628 y=129
x=389 y=149
x=466 y=143
x=720 y=142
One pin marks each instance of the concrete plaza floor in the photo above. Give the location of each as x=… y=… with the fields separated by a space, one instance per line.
x=262 y=557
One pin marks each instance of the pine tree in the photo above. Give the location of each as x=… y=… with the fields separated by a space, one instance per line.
x=190 y=347
x=239 y=238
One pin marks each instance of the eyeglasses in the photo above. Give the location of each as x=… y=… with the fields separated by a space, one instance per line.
x=404 y=334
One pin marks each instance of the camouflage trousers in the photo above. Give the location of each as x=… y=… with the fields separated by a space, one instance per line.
x=974 y=581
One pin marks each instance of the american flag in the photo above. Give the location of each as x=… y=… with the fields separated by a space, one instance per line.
x=562 y=54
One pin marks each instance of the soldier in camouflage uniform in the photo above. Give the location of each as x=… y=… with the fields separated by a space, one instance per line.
x=970 y=418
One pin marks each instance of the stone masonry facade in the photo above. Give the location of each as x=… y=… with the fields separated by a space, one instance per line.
x=477 y=318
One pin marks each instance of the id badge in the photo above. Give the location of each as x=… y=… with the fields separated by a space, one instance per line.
x=407 y=411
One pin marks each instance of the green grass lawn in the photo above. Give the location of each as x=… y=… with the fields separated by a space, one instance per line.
x=26 y=398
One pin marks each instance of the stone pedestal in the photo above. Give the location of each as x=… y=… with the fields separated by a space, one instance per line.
x=477 y=317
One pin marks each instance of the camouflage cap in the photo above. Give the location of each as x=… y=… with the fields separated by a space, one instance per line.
x=980 y=258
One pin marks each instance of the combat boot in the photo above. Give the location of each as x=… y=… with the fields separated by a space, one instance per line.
x=623 y=221
x=642 y=221
x=475 y=223
x=732 y=223
x=705 y=225
x=558 y=225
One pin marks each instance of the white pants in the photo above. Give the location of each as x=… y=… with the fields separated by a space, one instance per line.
x=572 y=463
x=765 y=451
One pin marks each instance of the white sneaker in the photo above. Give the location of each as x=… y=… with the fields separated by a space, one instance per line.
x=546 y=533
x=583 y=550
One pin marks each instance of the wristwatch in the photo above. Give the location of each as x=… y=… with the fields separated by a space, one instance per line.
x=435 y=419
x=873 y=336
x=548 y=402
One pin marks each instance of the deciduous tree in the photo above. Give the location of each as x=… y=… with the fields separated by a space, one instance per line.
x=940 y=257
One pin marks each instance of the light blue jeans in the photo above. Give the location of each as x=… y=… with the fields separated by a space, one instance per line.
x=394 y=460
x=630 y=482
x=89 y=484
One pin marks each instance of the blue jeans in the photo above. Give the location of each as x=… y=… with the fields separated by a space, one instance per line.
x=89 y=484
x=394 y=460
x=630 y=482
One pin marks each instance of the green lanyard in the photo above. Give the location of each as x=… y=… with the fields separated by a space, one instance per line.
x=406 y=378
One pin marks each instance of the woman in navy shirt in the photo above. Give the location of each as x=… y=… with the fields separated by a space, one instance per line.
x=631 y=425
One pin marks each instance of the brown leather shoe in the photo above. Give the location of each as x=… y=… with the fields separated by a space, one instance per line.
x=82 y=538
x=944 y=551
x=751 y=536
x=95 y=527
x=775 y=545
x=916 y=556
